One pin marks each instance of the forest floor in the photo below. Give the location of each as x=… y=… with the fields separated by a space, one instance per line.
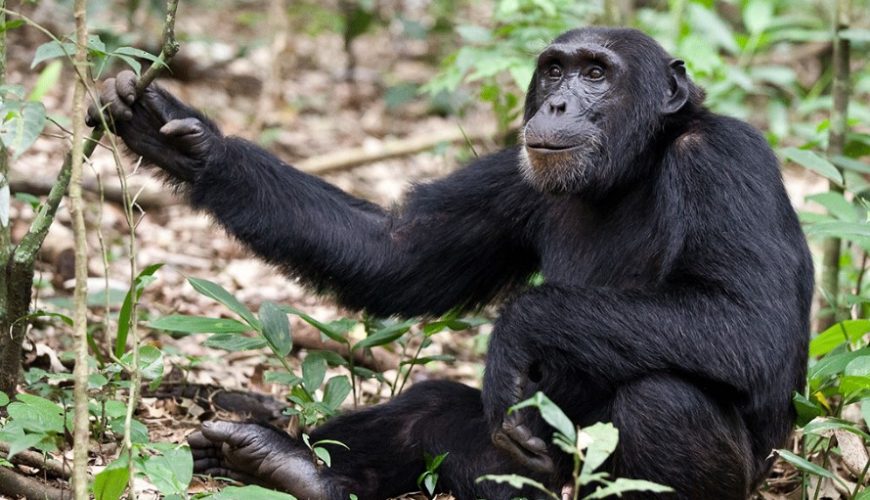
x=305 y=108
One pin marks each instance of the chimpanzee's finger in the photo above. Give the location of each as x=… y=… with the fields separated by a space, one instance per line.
x=125 y=86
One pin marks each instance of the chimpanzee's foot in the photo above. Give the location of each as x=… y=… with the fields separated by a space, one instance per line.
x=252 y=453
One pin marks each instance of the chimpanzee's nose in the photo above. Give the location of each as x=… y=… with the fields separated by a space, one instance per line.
x=557 y=105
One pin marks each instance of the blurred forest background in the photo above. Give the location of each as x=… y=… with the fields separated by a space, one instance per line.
x=373 y=95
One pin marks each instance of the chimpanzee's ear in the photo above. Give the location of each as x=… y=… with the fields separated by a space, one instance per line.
x=678 y=92
x=531 y=106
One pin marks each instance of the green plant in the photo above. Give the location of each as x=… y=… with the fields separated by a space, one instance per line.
x=498 y=61
x=429 y=478
x=589 y=448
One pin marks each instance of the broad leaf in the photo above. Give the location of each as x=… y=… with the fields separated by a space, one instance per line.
x=276 y=328
x=111 y=482
x=198 y=324
x=814 y=162
x=20 y=125
x=234 y=343
x=385 y=335
x=214 y=291
x=53 y=49
x=623 y=485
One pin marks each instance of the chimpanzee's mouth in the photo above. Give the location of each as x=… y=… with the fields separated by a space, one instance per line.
x=551 y=148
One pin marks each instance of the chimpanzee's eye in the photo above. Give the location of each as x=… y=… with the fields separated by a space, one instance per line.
x=595 y=73
x=554 y=71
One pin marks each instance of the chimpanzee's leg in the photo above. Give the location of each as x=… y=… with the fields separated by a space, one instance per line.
x=386 y=450
x=673 y=433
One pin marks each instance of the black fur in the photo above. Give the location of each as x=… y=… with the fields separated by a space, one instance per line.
x=677 y=279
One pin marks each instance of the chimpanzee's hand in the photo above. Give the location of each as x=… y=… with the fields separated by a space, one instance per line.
x=157 y=126
x=506 y=383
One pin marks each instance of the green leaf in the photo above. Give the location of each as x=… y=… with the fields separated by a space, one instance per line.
x=623 y=485
x=48 y=78
x=313 y=372
x=282 y=377
x=111 y=482
x=850 y=330
x=517 y=482
x=138 y=431
x=814 y=162
x=385 y=335
x=11 y=25
x=12 y=91
x=603 y=442
x=707 y=22
x=847 y=163
x=823 y=425
x=323 y=455
x=51 y=50
x=134 y=52
x=833 y=364
x=429 y=481
x=143 y=279
x=336 y=391
x=428 y=359
x=844 y=230
x=20 y=442
x=170 y=471
x=36 y=414
x=551 y=413
x=96 y=45
x=248 y=493
x=473 y=34
x=782 y=76
x=757 y=16
x=234 y=343
x=151 y=362
x=20 y=125
x=806 y=409
x=335 y=330
x=4 y=399
x=214 y=291
x=805 y=465
x=198 y=324
x=133 y=63
x=276 y=328
x=856 y=34
x=837 y=205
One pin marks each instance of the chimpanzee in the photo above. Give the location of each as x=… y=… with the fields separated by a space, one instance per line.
x=675 y=302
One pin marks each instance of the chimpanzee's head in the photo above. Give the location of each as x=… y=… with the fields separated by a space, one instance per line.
x=597 y=102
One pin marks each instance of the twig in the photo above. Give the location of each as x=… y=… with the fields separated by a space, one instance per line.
x=168 y=50
x=81 y=434
x=836 y=141
x=349 y=158
x=111 y=193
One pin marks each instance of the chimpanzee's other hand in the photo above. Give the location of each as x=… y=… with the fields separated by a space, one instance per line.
x=157 y=126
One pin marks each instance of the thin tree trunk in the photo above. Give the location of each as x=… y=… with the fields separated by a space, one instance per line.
x=836 y=141
x=5 y=234
x=81 y=436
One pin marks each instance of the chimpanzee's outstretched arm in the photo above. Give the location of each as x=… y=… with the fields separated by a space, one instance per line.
x=457 y=242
